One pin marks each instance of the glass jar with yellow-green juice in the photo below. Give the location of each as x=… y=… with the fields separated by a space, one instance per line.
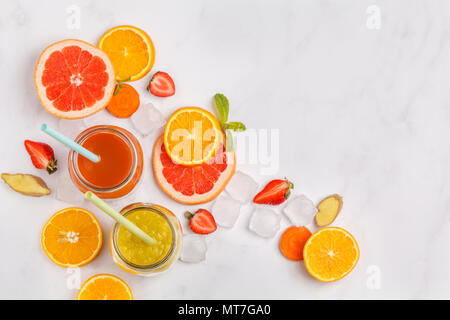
x=134 y=255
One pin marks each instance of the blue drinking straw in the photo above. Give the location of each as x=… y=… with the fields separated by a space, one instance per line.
x=71 y=144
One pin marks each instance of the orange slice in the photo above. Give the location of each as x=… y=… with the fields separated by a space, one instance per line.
x=104 y=287
x=130 y=50
x=72 y=237
x=74 y=79
x=192 y=136
x=330 y=254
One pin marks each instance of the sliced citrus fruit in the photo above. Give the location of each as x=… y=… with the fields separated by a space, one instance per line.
x=74 y=79
x=192 y=136
x=193 y=184
x=104 y=287
x=130 y=50
x=72 y=237
x=330 y=254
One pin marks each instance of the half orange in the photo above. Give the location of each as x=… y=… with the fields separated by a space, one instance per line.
x=130 y=50
x=192 y=136
x=330 y=254
x=104 y=287
x=72 y=237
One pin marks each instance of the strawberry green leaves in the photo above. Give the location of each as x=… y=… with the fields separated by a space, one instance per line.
x=223 y=109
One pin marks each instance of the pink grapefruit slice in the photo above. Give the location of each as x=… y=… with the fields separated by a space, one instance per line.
x=74 y=79
x=192 y=184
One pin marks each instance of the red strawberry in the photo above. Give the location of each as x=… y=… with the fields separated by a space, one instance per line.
x=201 y=221
x=161 y=85
x=42 y=155
x=275 y=192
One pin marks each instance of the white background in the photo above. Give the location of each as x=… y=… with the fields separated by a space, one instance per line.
x=363 y=113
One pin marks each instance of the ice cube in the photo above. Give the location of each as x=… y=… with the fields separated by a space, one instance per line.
x=242 y=187
x=66 y=190
x=71 y=128
x=226 y=211
x=194 y=248
x=300 y=210
x=147 y=119
x=265 y=222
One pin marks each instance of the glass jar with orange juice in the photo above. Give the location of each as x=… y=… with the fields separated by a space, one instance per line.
x=120 y=166
x=135 y=256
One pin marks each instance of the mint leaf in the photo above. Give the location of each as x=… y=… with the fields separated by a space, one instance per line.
x=235 y=126
x=229 y=145
x=223 y=107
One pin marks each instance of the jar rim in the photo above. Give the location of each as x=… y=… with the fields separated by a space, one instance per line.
x=115 y=231
x=122 y=134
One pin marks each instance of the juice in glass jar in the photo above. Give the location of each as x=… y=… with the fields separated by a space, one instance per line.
x=134 y=255
x=120 y=165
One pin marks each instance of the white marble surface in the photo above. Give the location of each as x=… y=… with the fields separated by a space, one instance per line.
x=364 y=113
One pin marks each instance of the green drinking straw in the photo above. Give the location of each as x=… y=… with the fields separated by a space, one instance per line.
x=119 y=218
x=70 y=143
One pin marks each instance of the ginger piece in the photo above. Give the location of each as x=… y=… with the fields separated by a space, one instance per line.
x=26 y=184
x=328 y=209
